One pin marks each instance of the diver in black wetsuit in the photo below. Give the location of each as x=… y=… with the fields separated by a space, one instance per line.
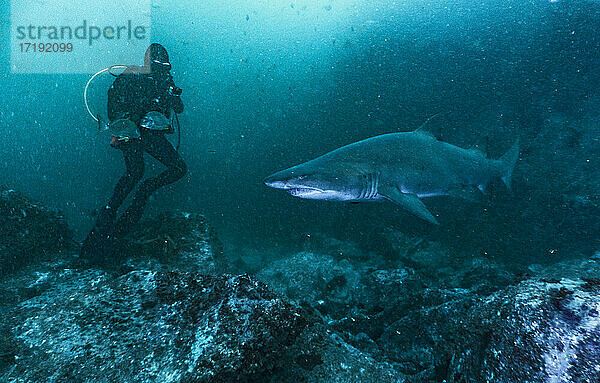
x=133 y=94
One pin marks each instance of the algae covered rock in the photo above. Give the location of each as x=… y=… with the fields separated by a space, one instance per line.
x=320 y=355
x=29 y=231
x=540 y=330
x=318 y=279
x=176 y=240
x=152 y=326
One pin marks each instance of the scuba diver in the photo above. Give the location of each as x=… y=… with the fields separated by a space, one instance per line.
x=144 y=98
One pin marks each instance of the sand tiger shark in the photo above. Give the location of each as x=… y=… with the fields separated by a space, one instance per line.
x=398 y=167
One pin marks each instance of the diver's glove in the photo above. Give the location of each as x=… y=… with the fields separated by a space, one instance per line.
x=175 y=103
x=172 y=89
x=173 y=93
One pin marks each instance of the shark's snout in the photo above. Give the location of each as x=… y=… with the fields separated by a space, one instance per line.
x=275 y=182
x=308 y=183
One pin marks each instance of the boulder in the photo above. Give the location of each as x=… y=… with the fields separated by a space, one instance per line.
x=320 y=355
x=152 y=326
x=319 y=279
x=175 y=240
x=29 y=231
x=539 y=330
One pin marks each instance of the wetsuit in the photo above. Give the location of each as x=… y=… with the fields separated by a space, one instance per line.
x=132 y=95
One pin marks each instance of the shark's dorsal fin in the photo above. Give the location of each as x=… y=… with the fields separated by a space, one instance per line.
x=422 y=130
x=407 y=201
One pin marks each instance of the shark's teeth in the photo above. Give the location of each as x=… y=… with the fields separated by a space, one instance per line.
x=299 y=191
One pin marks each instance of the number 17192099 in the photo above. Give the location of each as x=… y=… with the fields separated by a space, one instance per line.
x=46 y=47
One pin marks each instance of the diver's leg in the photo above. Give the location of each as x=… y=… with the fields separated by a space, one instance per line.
x=133 y=153
x=160 y=148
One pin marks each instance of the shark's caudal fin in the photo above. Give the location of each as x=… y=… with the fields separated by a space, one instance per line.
x=508 y=162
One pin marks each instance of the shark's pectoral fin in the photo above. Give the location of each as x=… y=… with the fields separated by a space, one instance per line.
x=410 y=202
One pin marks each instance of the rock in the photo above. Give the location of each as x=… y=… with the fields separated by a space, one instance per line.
x=152 y=326
x=415 y=252
x=336 y=248
x=326 y=283
x=544 y=332
x=539 y=331
x=171 y=241
x=178 y=327
x=356 y=296
x=29 y=232
x=175 y=240
x=322 y=356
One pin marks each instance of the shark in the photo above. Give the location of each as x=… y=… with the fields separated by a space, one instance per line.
x=401 y=167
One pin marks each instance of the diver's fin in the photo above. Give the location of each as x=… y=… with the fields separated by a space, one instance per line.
x=468 y=192
x=410 y=202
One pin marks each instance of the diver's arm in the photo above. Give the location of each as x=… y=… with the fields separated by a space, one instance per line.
x=176 y=104
x=174 y=93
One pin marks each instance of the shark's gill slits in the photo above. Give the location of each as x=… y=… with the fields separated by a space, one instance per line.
x=364 y=186
x=369 y=187
x=374 y=185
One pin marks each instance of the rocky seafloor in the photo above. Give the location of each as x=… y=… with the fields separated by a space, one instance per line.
x=173 y=307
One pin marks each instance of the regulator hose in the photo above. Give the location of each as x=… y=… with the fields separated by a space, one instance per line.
x=85 y=90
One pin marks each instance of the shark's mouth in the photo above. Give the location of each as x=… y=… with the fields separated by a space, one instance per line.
x=305 y=190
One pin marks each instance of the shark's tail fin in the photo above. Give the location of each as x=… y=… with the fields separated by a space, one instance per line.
x=508 y=162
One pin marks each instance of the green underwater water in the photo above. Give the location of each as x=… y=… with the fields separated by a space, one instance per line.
x=268 y=86
x=506 y=284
